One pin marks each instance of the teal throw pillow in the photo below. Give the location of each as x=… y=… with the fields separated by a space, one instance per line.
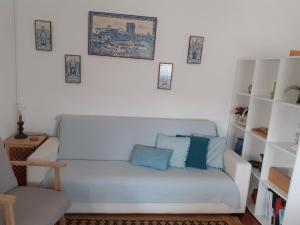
x=197 y=154
x=148 y=156
x=215 y=152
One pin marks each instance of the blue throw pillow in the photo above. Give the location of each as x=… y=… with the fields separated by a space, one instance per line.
x=179 y=145
x=197 y=152
x=215 y=152
x=148 y=156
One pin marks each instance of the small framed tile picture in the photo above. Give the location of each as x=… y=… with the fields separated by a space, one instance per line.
x=73 y=68
x=165 y=76
x=43 y=35
x=195 y=49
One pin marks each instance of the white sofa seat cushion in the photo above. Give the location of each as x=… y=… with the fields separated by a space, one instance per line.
x=121 y=182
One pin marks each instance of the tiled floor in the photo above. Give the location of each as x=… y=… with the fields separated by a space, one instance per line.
x=248 y=219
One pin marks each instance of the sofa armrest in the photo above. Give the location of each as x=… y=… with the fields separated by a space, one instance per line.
x=46 y=152
x=239 y=170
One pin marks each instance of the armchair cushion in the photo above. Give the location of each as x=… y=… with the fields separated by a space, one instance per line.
x=8 y=180
x=38 y=205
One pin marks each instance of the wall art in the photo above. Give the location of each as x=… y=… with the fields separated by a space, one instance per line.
x=195 y=50
x=165 y=76
x=120 y=35
x=73 y=68
x=43 y=35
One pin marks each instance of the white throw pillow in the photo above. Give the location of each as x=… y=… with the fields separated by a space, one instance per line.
x=179 y=145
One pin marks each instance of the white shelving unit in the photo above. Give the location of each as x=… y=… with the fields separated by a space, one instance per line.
x=281 y=115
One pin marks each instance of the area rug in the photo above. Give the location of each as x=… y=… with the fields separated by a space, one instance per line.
x=146 y=219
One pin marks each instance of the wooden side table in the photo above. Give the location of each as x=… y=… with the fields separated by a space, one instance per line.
x=20 y=150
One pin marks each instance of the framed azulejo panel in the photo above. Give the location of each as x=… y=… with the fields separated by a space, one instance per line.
x=43 y=35
x=165 y=76
x=195 y=49
x=120 y=35
x=73 y=68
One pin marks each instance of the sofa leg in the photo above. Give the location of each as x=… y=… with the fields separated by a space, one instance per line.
x=62 y=220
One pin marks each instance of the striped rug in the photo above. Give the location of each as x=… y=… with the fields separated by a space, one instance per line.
x=150 y=219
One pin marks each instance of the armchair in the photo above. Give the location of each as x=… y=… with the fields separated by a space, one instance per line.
x=30 y=205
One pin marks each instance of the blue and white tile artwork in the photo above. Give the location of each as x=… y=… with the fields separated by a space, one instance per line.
x=73 y=68
x=43 y=35
x=121 y=35
x=195 y=50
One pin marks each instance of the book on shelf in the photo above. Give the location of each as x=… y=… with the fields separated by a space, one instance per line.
x=274 y=210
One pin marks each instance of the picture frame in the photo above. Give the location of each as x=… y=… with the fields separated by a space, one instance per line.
x=195 y=49
x=43 y=35
x=120 y=35
x=165 y=74
x=72 y=68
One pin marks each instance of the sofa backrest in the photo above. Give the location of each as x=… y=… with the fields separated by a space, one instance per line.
x=112 y=138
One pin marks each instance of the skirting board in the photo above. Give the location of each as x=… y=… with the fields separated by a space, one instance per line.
x=201 y=208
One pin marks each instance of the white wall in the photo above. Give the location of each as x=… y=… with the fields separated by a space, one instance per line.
x=118 y=86
x=267 y=28
x=7 y=69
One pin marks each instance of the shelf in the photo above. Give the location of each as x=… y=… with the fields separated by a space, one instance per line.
x=238 y=127
x=285 y=147
x=243 y=93
x=289 y=104
x=275 y=188
x=256 y=173
x=263 y=98
x=281 y=115
x=256 y=136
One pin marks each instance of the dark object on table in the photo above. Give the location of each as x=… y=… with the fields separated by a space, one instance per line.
x=238 y=148
x=20 y=134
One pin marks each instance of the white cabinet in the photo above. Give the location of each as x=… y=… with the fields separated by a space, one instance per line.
x=277 y=110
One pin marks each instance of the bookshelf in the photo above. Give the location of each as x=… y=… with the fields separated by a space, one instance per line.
x=278 y=112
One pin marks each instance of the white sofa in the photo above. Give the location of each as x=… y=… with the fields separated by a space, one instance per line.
x=99 y=178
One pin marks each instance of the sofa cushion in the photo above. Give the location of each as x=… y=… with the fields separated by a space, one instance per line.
x=38 y=205
x=179 y=145
x=197 y=153
x=120 y=182
x=112 y=138
x=156 y=158
x=8 y=180
x=215 y=154
x=215 y=151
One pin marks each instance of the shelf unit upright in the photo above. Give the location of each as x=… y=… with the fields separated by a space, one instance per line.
x=281 y=115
